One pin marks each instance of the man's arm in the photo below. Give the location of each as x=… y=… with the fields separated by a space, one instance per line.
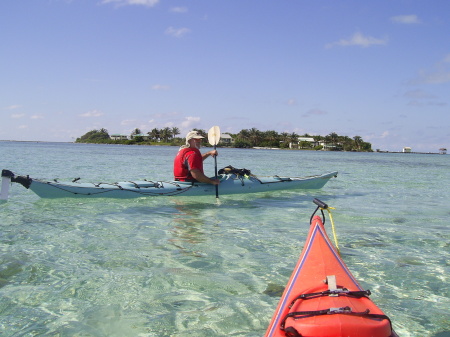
x=200 y=176
x=212 y=153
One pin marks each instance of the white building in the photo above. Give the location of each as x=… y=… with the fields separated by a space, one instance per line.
x=300 y=140
x=118 y=137
x=226 y=139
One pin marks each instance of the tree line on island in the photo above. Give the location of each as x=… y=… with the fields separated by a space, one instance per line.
x=246 y=138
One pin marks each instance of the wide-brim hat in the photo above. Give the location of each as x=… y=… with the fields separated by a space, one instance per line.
x=193 y=135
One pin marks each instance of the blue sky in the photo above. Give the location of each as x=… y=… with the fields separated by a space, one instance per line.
x=375 y=69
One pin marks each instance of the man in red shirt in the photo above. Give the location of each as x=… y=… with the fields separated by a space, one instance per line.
x=188 y=163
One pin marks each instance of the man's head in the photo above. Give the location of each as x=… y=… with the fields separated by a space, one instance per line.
x=194 y=139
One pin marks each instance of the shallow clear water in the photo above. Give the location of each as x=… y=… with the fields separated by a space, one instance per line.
x=180 y=266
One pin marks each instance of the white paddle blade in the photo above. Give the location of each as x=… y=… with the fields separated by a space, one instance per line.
x=214 y=135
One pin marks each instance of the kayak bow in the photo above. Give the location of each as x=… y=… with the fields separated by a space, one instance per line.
x=323 y=298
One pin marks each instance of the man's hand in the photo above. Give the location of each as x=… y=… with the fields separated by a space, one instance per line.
x=200 y=176
x=212 y=153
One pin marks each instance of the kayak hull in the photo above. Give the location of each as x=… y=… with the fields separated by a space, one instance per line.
x=325 y=315
x=230 y=184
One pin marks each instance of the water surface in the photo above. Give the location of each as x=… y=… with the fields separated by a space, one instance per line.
x=180 y=266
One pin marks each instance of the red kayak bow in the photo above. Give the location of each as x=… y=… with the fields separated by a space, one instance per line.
x=323 y=298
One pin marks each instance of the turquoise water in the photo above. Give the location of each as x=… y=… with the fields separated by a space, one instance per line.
x=180 y=266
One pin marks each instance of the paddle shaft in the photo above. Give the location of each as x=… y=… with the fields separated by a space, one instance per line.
x=215 y=172
x=214 y=138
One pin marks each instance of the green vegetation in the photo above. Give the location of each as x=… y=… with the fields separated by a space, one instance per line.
x=95 y=136
x=246 y=138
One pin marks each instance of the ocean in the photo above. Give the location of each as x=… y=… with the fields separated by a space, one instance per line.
x=197 y=266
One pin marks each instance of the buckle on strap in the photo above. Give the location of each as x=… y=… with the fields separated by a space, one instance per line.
x=331 y=311
x=342 y=310
x=335 y=292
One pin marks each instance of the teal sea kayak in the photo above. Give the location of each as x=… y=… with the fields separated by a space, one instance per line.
x=230 y=183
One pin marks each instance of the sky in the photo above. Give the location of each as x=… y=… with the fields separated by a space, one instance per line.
x=375 y=69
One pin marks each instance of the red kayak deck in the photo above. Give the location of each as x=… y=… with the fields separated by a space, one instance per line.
x=322 y=297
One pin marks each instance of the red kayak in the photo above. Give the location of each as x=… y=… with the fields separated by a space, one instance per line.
x=323 y=298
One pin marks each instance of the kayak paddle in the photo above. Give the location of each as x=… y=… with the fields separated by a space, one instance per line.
x=214 y=138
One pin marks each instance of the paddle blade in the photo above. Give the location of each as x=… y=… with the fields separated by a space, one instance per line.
x=214 y=135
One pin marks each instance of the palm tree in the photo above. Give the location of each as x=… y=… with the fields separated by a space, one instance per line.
x=293 y=137
x=255 y=136
x=136 y=131
x=284 y=136
x=358 y=140
x=244 y=134
x=332 y=139
x=175 y=132
x=154 y=134
x=271 y=137
x=345 y=142
x=284 y=139
x=166 y=133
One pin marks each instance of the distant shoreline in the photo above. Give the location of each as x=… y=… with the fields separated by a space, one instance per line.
x=409 y=152
x=33 y=141
x=256 y=148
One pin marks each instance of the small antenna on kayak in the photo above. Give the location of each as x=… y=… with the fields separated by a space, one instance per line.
x=320 y=205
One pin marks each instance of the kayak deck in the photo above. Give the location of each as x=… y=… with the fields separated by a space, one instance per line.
x=323 y=298
x=229 y=184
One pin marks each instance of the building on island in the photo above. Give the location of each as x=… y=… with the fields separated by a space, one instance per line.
x=118 y=137
x=226 y=139
x=406 y=149
x=143 y=136
x=303 y=143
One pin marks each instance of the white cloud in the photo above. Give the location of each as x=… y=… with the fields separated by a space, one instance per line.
x=419 y=104
x=16 y=116
x=418 y=94
x=315 y=112
x=92 y=113
x=439 y=75
x=405 y=19
x=177 y=32
x=23 y=126
x=421 y=98
x=37 y=117
x=179 y=9
x=146 y=3
x=160 y=87
x=291 y=102
x=358 y=39
x=12 y=107
x=128 y=122
x=189 y=123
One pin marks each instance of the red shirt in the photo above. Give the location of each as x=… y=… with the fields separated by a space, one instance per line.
x=186 y=160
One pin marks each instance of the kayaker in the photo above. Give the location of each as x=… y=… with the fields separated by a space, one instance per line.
x=188 y=163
